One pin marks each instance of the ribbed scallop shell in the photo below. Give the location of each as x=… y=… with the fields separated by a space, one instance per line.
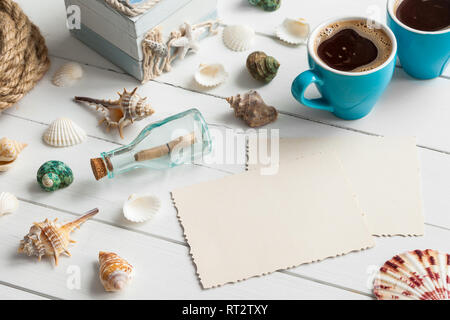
x=115 y=272
x=414 y=275
x=238 y=37
x=67 y=74
x=211 y=75
x=140 y=208
x=9 y=151
x=64 y=132
x=293 y=31
x=8 y=203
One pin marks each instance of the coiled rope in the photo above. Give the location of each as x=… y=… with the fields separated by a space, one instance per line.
x=23 y=54
x=132 y=12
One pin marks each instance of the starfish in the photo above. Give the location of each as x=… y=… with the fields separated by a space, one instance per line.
x=188 y=41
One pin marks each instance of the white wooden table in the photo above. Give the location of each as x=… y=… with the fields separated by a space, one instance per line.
x=157 y=248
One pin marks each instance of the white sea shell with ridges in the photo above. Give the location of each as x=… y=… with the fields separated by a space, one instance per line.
x=63 y=132
x=8 y=203
x=414 y=275
x=293 y=31
x=211 y=75
x=67 y=75
x=238 y=37
x=140 y=208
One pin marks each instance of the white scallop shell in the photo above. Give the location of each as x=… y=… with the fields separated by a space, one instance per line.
x=140 y=208
x=64 y=132
x=238 y=37
x=414 y=275
x=211 y=75
x=67 y=74
x=8 y=203
x=293 y=31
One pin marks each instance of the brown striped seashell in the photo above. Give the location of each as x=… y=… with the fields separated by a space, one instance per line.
x=48 y=238
x=115 y=272
x=252 y=109
x=414 y=275
x=120 y=113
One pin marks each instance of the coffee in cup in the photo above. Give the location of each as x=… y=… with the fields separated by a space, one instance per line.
x=353 y=45
x=425 y=15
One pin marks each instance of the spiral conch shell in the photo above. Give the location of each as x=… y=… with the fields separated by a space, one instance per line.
x=414 y=275
x=262 y=67
x=252 y=109
x=9 y=151
x=266 y=5
x=122 y=112
x=48 y=238
x=115 y=272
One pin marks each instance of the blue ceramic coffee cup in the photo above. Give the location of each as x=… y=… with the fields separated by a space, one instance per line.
x=423 y=54
x=348 y=95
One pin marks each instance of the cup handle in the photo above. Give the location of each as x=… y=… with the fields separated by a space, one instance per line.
x=298 y=89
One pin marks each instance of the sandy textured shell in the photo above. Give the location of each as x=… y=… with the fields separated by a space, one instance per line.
x=238 y=37
x=252 y=109
x=414 y=275
x=9 y=151
x=115 y=272
x=67 y=75
x=293 y=31
x=49 y=238
x=64 y=132
x=8 y=203
x=211 y=75
x=140 y=208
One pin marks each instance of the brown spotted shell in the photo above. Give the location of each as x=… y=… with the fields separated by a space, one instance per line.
x=115 y=272
x=414 y=275
x=252 y=109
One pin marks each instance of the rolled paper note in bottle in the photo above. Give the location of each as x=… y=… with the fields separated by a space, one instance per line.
x=173 y=141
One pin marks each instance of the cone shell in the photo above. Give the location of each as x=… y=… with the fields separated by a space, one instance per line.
x=8 y=203
x=115 y=272
x=262 y=67
x=67 y=75
x=252 y=109
x=238 y=37
x=64 y=132
x=211 y=75
x=9 y=151
x=293 y=31
x=414 y=275
x=140 y=208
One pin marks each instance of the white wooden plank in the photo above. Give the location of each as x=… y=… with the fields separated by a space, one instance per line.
x=109 y=195
x=163 y=269
x=9 y=293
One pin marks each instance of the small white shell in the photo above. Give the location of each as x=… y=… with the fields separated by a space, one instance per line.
x=67 y=75
x=293 y=31
x=64 y=132
x=8 y=203
x=238 y=37
x=211 y=75
x=141 y=208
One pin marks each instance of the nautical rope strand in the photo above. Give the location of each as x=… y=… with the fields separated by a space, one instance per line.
x=23 y=54
x=132 y=12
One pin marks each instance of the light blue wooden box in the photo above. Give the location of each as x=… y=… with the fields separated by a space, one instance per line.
x=118 y=37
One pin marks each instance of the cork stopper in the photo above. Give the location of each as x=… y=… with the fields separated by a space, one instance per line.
x=98 y=168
